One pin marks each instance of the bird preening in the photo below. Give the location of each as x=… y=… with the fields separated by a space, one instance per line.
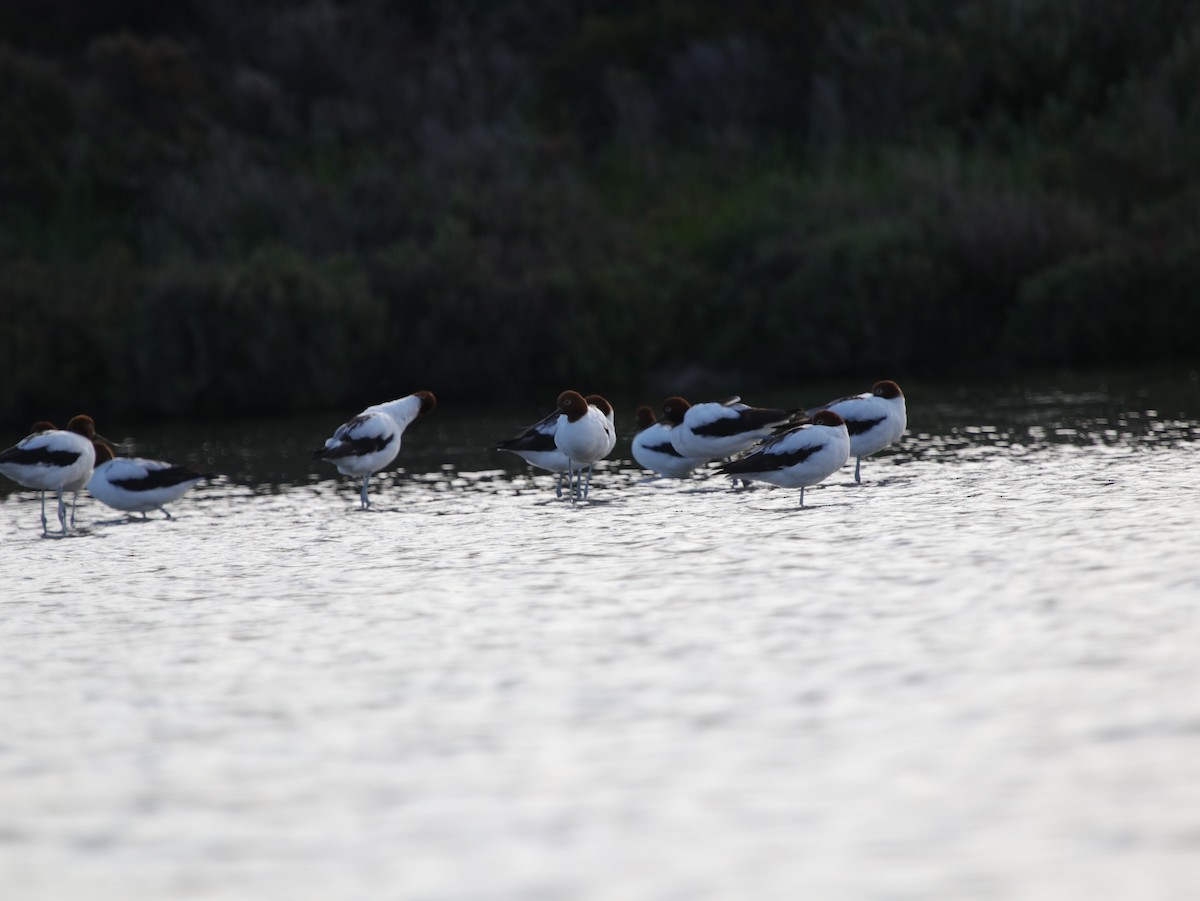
x=370 y=441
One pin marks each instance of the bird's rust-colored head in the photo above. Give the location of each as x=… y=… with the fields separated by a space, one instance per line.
x=428 y=401
x=595 y=400
x=827 y=417
x=82 y=425
x=887 y=389
x=674 y=408
x=645 y=418
x=573 y=405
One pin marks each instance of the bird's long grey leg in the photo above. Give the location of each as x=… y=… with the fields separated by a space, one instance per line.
x=366 y=504
x=558 y=487
x=733 y=480
x=857 y=467
x=801 y=496
x=165 y=513
x=45 y=530
x=74 y=503
x=62 y=511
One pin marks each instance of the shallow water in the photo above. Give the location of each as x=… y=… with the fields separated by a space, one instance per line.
x=973 y=677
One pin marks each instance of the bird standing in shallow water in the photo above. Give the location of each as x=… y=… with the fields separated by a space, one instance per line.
x=799 y=457
x=137 y=485
x=875 y=419
x=535 y=445
x=53 y=460
x=371 y=440
x=584 y=434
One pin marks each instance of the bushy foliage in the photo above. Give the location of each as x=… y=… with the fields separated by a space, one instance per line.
x=217 y=208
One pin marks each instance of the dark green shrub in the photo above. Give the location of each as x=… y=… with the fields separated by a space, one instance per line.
x=1119 y=304
x=277 y=333
x=38 y=113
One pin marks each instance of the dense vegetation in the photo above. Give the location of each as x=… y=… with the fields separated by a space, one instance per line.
x=216 y=208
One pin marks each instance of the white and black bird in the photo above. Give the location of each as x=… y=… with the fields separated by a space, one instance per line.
x=55 y=460
x=799 y=457
x=535 y=445
x=584 y=434
x=653 y=450
x=137 y=485
x=371 y=440
x=712 y=431
x=875 y=419
x=74 y=487
x=599 y=403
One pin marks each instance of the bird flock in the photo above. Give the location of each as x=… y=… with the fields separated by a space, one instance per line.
x=788 y=448
x=74 y=458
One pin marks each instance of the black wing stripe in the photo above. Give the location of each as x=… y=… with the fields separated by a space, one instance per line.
x=770 y=462
x=356 y=447
x=529 y=441
x=158 y=478
x=858 y=426
x=746 y=421
x=44 y=456
x=665 y=448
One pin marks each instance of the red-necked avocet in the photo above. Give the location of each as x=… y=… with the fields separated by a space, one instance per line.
x=584 y=434
x=55 y=460
x=712 y=431
x=535 y=445
x=799 y=457
x=875 y=419
x=653 y=450
x=371 y=440
x=137 y=485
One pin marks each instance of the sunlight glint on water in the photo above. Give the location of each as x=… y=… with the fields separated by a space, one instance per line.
x=973 y=677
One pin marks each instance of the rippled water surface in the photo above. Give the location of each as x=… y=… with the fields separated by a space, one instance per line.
x=973 y=677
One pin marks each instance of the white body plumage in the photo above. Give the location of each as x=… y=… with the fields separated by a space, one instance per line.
x=800 y=457
x=875 y=419
x=53 y=460
x=711 y=431
x=138 y=485
x=371 y=440
x=653 y=450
